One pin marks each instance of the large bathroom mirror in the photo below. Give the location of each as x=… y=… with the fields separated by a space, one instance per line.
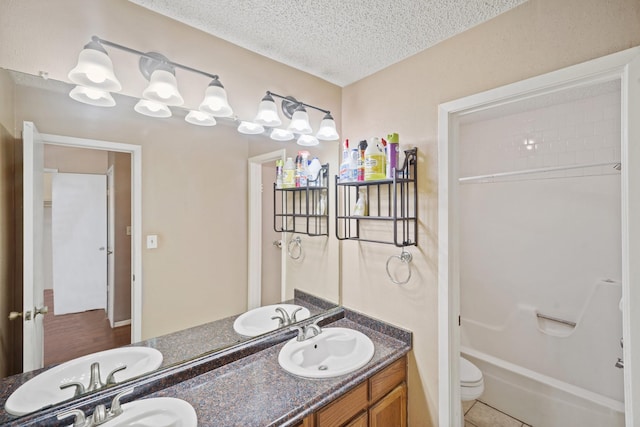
x=194 y=205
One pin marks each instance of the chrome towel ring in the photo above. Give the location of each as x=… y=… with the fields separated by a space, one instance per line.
x=405 y=258
x=295 y=246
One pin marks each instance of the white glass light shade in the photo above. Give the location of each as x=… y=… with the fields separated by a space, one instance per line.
x=268 y=113
x=278 y=134
x=307 y=140
x=163 y=88
x=152 y=109
x=95 y=70
x=300 y=122
x=327 y=131
x=199 y=118
x=250 y=128
x=215 y=100
x=91 y=96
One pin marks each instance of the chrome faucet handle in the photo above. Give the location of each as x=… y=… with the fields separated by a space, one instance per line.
x=79 y=391
x=95 y=383
x=293 y=315
x=116 y=409
x=99 y=415
x=110 y=378
x=280 y=321
x=284 y=314
x=301 y=332
x=79 y=420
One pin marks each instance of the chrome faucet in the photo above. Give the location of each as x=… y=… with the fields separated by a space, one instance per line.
x=284 y=319
x=100 y=414
x=306 y=332
x=95 y=382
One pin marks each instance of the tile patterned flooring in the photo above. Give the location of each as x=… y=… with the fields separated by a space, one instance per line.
x=478 y=414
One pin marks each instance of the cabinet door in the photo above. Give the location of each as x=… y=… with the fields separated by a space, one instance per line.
x=361 y=421
x=343 y=409
x=391 y=411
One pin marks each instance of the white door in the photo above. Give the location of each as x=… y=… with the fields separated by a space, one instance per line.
x=79 y=239
x=33 y=249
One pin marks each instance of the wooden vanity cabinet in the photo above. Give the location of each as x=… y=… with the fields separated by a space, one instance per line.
x=380 y=401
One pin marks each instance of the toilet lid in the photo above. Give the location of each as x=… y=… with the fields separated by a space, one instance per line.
x=469 y=373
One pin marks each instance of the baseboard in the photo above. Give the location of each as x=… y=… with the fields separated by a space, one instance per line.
x=121 y=323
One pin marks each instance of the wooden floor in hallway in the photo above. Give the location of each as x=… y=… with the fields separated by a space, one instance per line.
x=68 y=336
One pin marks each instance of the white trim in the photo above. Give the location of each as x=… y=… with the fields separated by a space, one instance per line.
x=110 y=247
x=609 y=67
x=136 y=214
x=121 y=323
x=254 y=285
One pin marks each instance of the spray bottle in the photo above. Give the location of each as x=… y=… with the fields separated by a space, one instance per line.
x=393 y=150
x=374 y=161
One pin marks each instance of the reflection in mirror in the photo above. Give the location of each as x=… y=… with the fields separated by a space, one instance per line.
x=195 y=282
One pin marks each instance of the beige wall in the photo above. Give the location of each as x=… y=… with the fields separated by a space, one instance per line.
x=194 y=179
x=537 y=37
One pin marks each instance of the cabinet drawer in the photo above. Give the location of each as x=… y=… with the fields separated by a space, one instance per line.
x=386 y=380
x=343 y=409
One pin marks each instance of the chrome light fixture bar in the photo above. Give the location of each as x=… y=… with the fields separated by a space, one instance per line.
x=95 y=78
x=295 y=110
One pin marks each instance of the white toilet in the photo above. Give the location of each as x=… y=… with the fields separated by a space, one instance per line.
x=471 y=382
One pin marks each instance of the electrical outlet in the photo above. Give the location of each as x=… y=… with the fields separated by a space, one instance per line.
x=128 y=230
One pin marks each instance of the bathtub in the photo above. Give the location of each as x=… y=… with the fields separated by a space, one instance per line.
x=550 y=374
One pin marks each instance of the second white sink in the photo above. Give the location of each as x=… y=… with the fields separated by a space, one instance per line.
x=156 y=412
x=334 y=352
x=259 y=320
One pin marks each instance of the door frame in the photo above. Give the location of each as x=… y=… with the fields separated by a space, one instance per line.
x=254 y=285
x=625 y=66
x=136 y=214
x=110 y=244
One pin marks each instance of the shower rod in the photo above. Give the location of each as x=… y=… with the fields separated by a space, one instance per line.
x=615 y=165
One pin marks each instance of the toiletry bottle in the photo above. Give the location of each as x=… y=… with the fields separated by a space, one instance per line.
x=302 y=169
x=362 y=147
x=313 y=178
x=361 y=207
x=374 y=167
x=344 y=166
x=393 y=149
x=289 y=174
x=279 y=166
x=354 y=157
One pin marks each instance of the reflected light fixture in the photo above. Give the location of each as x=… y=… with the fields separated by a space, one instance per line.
x=278 y=134
x=94 y=71
x=199 y=118
x=250 y=128
x=152 y=108
x=295 y=110
x=91 y=96
x=307 y=140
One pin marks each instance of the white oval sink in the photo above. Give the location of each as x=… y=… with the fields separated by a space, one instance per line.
x=336 y=351
x=259 y=320
x=156 y=412
x=44 y=389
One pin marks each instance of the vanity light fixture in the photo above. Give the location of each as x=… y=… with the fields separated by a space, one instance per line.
x=94 y=71
x=250 y=128
x=295 y=110
x=199 y=118
x=97 y=97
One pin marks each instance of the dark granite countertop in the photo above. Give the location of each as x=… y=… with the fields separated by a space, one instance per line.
x=256 y=391
x=177 y=347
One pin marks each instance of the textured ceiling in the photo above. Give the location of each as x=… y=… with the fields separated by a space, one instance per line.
x=340 y=41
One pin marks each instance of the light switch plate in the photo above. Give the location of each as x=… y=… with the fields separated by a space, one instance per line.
x=152 y=241
x=128 y=230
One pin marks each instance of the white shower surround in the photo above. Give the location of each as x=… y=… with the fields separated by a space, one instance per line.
x=545 y=243
x=623 y=66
